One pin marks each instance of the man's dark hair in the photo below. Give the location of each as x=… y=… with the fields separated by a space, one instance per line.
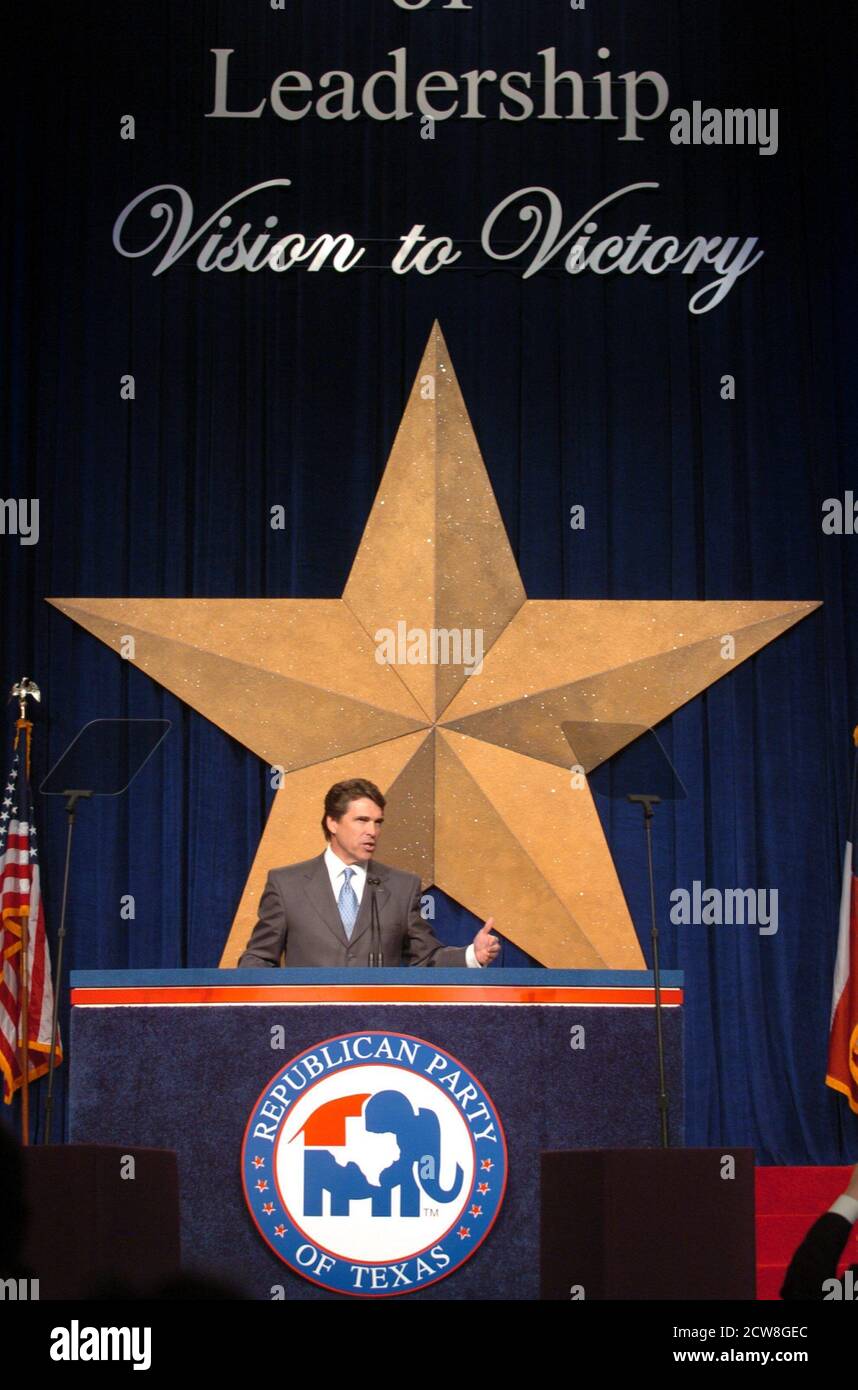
x=341 y=794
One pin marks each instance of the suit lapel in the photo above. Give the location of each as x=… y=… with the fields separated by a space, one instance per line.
x=317 y=885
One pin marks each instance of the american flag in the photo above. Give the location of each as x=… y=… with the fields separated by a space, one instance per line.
x=20 y=902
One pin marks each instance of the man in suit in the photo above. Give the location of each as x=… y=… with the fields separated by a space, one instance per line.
x=321 y=912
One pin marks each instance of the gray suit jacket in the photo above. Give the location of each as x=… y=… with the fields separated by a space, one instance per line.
x=298 y=914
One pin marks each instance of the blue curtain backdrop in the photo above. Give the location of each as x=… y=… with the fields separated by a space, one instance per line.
x=254 y=390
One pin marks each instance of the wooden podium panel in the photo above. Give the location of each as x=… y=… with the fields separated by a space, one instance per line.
x=100 y=1216
x=648 y=1224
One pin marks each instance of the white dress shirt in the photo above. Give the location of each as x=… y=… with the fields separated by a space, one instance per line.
x=336 y=869
x=846 y=1206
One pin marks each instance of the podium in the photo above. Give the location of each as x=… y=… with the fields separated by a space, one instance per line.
x=178 y=1060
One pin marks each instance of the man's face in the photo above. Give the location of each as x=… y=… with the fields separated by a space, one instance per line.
x=354 y=835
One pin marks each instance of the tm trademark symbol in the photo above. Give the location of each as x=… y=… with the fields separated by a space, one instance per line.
x=430 y=1211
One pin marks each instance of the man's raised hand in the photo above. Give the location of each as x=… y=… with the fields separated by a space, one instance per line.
x=486 y=945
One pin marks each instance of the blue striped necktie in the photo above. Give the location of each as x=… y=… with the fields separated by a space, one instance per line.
x=348 y=904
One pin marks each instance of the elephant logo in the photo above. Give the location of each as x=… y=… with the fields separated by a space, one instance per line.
x=391 y=1148
x=374 y=1163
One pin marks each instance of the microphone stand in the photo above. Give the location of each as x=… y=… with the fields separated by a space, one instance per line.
x=72 y=798
x=646 y=803
x=376 y=956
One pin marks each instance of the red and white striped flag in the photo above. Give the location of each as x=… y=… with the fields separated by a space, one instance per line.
x=843 y=1041
x=20 y=903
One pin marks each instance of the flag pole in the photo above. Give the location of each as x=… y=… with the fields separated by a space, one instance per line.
x=23 y=724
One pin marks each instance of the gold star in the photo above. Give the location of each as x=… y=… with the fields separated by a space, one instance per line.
x=476 y=767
